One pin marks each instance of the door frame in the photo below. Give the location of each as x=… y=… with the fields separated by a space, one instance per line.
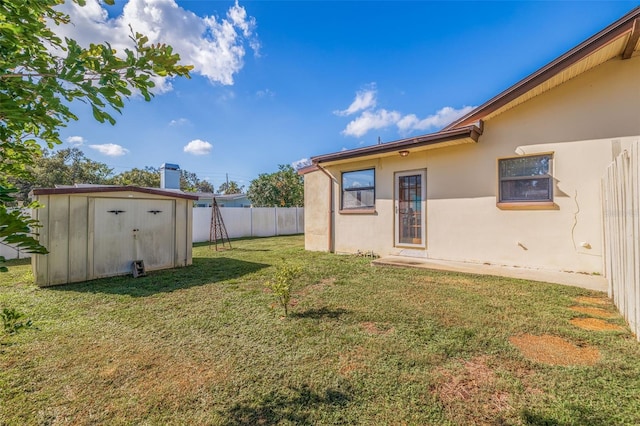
x=423 y=207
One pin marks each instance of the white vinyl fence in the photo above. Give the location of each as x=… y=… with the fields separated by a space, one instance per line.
x=240 y=222
x=9 y=252
x=250 y=222
x=621 y=206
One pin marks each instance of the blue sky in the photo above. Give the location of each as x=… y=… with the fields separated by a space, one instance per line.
x=277 y=82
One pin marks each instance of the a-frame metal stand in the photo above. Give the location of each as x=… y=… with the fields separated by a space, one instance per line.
x=218 y=232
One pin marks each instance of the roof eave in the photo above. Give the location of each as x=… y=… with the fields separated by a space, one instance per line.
x=307 y=169
x=432 y=140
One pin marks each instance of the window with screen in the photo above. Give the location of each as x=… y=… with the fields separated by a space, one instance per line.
x=359 y=189
x=525 y=179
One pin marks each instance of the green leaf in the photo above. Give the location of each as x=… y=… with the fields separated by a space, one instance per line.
x=38 y=100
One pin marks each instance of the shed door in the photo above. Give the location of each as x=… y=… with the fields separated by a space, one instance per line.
x=126 y=230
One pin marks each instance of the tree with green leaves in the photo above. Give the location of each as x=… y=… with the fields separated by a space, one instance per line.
x=150 y=177
x=189 y=182
x=42 y=75
x=147 y=177
x=231 y=187
x=284 y=188
x=67 y=166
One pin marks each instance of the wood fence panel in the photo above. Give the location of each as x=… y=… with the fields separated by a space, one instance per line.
x=621 y=213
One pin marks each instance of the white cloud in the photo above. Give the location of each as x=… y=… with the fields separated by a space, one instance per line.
x=215 y=46
x=266 y=93
x=365 y=99
x=179 y=122
x=75 y=140
x=440 y=119
x=198 y=147
x=370 y=120
x=110 y=149
x=303 y=162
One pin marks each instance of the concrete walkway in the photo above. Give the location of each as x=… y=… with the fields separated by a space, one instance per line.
x=590 y=282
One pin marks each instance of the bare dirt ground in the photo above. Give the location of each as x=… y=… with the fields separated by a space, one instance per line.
x=554 y=350
x=595 y=324
x=596 y=312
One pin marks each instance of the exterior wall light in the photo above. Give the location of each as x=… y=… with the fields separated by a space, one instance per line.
x=403 y=153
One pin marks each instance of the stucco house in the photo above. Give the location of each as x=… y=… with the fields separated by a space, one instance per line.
x=516 y=181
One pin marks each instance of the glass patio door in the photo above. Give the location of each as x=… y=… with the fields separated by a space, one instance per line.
x=410 y=208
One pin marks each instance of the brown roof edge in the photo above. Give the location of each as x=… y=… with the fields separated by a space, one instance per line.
x=90 y=189
x=307 y=169
x=472 y=131
x=593 y=43
x=633 y=40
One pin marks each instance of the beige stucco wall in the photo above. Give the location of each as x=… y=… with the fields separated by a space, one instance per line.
x=585 y=122
x=318 y=219
x=71 y=233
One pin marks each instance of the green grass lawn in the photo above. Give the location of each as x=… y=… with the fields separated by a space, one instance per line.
x=207 y=344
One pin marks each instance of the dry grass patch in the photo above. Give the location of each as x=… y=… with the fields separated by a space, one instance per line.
x=595 y=324
x=376 y=329
x=471 y=392
x=596 y=312
x=325 y=282
x=351 y=362
x=554 y=350
x=146 y=375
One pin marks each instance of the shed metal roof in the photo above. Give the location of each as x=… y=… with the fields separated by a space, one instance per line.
x=87 y=189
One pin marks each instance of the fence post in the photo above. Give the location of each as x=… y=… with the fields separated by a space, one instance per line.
x=275 y=217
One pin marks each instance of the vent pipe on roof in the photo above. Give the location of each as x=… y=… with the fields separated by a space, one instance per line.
x=170 y=176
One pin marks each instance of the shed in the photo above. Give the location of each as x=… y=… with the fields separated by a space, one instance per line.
x=99 y=231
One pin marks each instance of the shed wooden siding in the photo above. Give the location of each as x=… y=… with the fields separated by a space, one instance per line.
x=83 y=245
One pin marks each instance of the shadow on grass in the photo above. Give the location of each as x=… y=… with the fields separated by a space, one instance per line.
x=203 y=271
x=321 y=313
x=580 y=415
x=17 y=262
x=233 y=240
x=293 y=406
